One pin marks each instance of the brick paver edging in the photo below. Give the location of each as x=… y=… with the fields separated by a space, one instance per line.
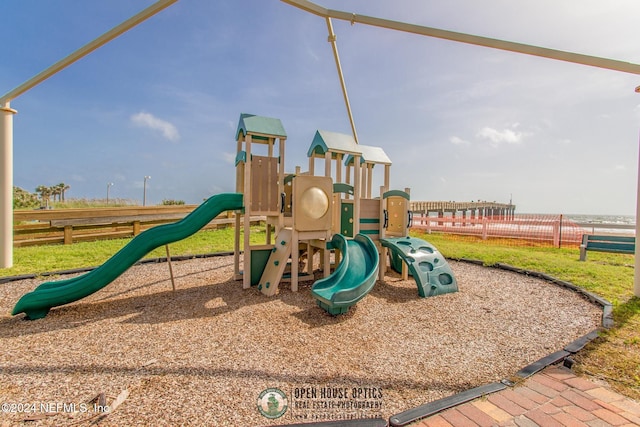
x=553 y=397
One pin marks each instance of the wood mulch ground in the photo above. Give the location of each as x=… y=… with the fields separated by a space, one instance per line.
x=202 y=355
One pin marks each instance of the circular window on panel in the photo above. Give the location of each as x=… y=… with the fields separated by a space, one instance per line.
x=314 y=203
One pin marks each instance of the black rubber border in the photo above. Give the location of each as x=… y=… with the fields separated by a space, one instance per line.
x=431 y=408
x=563 y=355
x=540 y=364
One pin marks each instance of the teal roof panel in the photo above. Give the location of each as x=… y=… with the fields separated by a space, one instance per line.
x=250 y=123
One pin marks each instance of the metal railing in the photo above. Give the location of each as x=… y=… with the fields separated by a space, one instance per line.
x=552 y=230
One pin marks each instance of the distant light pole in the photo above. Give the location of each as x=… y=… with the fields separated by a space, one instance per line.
x=109 y=184
x=144 y=194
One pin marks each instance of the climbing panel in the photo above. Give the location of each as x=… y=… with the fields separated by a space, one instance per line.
x=276 y=264
x=430 y=270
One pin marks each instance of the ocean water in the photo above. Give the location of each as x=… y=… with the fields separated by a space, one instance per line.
x=617 y=224
x=602 y=219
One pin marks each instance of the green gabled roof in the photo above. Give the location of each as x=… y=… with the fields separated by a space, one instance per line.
x=370 y=154
x=334 y=142
x=250 y=123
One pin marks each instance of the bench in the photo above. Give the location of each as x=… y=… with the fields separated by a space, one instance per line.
x=615 y=244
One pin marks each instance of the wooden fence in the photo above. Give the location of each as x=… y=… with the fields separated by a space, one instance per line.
x=38 y=227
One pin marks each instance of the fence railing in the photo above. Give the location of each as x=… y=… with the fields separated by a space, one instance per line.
x=520 y=229
x=38 y=227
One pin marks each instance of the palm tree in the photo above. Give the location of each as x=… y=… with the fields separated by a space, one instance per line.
x=55 y=191
x=45 y=193
x=38 y=189
x=62 y=187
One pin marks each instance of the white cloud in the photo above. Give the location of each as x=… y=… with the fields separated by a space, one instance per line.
x=168 y=130
x=497 y=137
x=229 y=157
x=458 y=141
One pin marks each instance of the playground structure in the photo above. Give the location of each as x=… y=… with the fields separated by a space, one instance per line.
x=312 y=193
x=305 y=215
x=413 y=256
x=311 y=214
x=312 y=196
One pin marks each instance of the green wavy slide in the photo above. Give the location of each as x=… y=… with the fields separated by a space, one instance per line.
x=352 y=279
x=36 y=304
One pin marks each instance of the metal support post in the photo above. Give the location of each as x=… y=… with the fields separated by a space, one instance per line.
x=334 y=46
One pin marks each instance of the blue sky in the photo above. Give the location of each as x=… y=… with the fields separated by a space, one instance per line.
x=459 y=122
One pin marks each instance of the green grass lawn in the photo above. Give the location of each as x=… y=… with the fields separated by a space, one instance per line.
x=615 y=356
x=49 y=258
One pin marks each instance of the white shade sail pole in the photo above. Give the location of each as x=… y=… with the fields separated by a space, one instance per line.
x=544 y=52
x=6 y=185
x=636 y=273
x=343 y=85
x=6 y=122
x=636 y=277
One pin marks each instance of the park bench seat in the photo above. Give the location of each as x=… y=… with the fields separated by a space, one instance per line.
x=604 y=243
